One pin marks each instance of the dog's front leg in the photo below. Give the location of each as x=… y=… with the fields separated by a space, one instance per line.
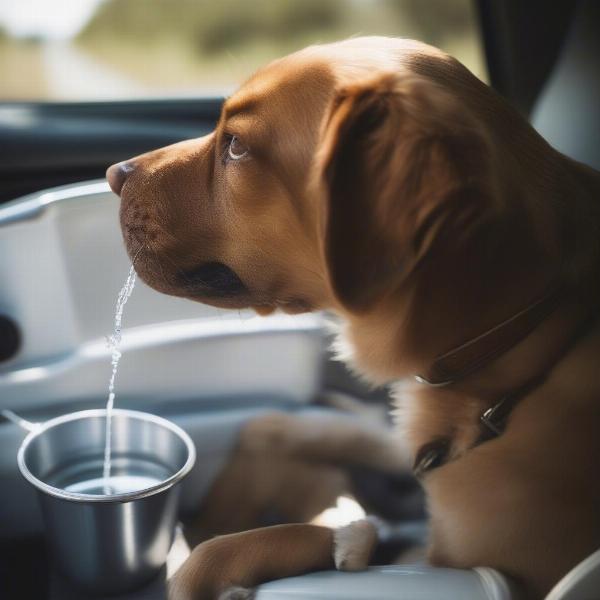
x=229 y=566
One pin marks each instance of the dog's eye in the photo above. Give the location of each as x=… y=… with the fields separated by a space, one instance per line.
x=236 y=149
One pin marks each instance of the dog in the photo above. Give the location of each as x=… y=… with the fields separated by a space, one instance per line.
x=379 y=179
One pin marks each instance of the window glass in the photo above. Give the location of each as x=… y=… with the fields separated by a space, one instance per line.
x=108 y=49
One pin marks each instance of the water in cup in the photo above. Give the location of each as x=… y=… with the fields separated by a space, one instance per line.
x=128 y=474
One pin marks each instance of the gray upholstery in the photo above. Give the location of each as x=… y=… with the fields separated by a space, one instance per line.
x=567 y=113
x=406 y=582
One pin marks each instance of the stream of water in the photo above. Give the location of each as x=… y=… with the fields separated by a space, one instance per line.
x=114 y=343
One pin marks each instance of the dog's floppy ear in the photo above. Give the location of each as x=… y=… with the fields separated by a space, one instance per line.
x=401 y=166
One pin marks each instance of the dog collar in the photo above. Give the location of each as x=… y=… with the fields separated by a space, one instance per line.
x=458 y=363
x=494 y=420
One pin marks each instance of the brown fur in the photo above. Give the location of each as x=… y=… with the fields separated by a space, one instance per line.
x=251 y=557
x=387 y=183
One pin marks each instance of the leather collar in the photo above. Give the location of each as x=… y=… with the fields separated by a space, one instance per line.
x=476 y=353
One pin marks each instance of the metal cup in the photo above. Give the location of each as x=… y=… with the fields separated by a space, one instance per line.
x=108 y=544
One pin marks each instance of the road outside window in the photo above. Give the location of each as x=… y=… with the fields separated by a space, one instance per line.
x=121 y=49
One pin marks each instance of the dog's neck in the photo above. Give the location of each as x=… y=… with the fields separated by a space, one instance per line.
x=532 y=358
x=461 y=293
x=551 y=320
x=473 y=355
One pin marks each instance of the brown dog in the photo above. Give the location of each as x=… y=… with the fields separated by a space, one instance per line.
x=378 y=178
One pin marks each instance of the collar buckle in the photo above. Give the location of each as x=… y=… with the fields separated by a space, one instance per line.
x=494 y=418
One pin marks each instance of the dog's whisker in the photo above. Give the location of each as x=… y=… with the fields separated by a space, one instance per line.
x=317 y=274
x=160 y=267
x=139 y=250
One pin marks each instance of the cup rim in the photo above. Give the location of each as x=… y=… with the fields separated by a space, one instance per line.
x=114 y=498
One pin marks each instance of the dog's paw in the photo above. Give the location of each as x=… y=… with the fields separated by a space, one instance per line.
x=353 y=545
x=237 y=593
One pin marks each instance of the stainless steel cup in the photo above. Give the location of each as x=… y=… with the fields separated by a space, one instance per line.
x=108 y=544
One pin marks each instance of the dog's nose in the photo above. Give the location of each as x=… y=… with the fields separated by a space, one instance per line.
x=117 y=174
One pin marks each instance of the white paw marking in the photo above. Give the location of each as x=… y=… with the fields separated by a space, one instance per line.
x=353 y=545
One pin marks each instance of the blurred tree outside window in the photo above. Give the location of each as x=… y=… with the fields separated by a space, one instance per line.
x=120 y=49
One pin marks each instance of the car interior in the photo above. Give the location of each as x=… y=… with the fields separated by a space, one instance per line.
x=211 y=371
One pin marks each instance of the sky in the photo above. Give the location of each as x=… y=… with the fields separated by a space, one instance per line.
x=55 y=19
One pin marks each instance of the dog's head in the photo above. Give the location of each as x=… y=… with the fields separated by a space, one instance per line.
x=332 y=176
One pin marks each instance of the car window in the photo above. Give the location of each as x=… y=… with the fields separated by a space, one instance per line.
x=124 y=49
